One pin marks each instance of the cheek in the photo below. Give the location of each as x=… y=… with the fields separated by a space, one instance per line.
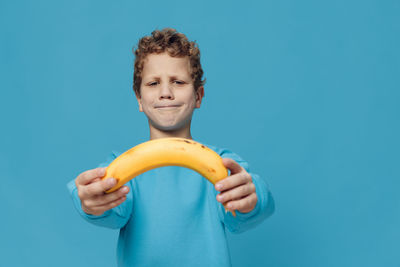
x=191 y=100
x=147 y=102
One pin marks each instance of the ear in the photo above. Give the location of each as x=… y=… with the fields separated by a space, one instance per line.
x=139 y=100
x=199 y=96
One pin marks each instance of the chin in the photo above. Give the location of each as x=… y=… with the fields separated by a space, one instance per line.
x=169 y=127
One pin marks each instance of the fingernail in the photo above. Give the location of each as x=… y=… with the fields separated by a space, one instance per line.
x=218 y=187
x=220 y=198
x=230 y=206
x=111 y=181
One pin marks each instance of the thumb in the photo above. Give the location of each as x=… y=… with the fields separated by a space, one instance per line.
x=108 y=183
x=232 y=165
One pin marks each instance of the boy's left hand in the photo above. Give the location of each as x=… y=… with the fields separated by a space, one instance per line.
x=238 y=191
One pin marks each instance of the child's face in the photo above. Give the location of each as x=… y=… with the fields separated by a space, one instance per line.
x=168 y=97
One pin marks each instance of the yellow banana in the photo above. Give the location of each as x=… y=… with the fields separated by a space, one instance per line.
x=172 y=151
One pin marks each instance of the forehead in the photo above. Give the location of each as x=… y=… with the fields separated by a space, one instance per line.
x=161 y=64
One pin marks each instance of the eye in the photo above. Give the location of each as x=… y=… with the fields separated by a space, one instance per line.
x=179 y=82
x=152 y=83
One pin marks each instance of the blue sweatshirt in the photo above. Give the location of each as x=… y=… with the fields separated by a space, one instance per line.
x=171 y=217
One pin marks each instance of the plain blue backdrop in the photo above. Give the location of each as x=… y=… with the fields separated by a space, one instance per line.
x=306 y=91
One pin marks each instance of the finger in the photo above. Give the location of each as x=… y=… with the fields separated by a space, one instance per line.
x=233 y=181
x=105 y=199
x=88 y=176
x=237 y=192
x=101 y=209
x=113 y=204
x=97 y=188
x=246 y=204
x=232 y=165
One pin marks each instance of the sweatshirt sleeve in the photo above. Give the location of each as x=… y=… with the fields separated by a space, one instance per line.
x=115 y=218
x=264 y=208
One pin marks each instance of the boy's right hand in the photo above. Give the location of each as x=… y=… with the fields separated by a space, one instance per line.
x=91 y=191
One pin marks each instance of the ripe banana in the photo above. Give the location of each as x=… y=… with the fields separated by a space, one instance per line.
x=171 y=151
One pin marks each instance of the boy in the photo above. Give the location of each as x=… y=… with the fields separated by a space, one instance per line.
x=171 y=216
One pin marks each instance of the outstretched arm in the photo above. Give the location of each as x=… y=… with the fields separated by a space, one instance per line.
x=238 y=191
x=244 y=192
x=110 y=210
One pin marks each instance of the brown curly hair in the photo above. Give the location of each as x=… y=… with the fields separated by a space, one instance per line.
x=173 y=42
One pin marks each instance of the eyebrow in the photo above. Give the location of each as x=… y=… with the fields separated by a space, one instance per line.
x=172 y=77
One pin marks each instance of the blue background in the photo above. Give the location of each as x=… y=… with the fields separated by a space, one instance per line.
x=306 y=91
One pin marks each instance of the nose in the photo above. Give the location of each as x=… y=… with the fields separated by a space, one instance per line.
x=166 y=91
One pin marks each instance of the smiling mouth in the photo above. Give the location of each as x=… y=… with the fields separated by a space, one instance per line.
x=167 y=107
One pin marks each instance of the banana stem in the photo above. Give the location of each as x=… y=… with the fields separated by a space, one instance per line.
x=231 y=211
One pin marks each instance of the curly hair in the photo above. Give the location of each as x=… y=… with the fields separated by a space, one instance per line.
x=176 y=45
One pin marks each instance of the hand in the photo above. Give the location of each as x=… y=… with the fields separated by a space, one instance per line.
x=91 y=191
x=238 y=191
